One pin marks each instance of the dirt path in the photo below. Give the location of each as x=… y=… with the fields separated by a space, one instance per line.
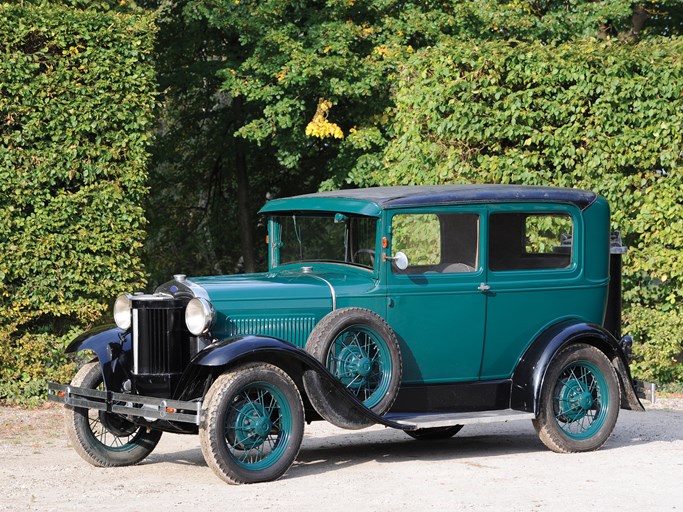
x=488 y=467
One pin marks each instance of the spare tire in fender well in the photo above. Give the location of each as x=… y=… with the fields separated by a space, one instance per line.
x=360 y=349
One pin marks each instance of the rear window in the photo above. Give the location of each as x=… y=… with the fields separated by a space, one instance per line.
x=530 y=241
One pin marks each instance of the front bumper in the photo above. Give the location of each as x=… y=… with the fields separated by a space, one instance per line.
x=147 y=407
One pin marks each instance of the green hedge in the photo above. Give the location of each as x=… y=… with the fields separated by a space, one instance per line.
x=76 y=102
x=601 y=115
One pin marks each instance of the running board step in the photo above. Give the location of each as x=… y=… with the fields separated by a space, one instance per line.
x=420 y=420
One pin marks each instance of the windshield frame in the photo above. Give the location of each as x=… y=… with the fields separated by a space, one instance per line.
x=350 y=240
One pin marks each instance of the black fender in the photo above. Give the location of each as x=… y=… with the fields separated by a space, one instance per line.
x=223 y=355
x=527 y=380
x=110 y=344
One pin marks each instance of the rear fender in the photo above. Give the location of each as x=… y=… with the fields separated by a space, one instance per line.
x=527 y=381
x=111 y=345
x=224 y=355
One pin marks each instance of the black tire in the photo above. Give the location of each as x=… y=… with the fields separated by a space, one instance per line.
x=580 y=401
x=252 y=424
x=434 y=433
x=105 y=439
x=360 y=349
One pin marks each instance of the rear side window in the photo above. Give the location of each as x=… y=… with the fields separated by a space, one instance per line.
x=530 y=241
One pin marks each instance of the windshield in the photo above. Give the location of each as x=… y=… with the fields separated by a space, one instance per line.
x=330 y=237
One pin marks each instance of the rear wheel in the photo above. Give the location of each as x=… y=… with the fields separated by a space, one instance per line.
x=253 y=424
x=579 y=401
x=101 y=438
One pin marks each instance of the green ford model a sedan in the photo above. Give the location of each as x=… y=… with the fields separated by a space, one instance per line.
x=420 y=308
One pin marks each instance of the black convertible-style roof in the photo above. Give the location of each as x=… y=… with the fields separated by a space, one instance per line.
x=387 y=197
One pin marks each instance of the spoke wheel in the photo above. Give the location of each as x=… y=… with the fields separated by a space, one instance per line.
x=253 y=424
x=360 y=359
x=105 y=439
x=579 y=402
x=360 y=349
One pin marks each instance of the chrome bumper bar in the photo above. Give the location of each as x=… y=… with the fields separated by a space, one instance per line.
x=147 y=407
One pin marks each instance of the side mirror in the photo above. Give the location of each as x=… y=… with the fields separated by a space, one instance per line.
x=400 y=260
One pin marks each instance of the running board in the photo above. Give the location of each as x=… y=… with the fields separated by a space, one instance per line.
x=410 y=421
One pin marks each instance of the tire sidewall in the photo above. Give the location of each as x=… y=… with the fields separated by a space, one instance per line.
x=218 y=402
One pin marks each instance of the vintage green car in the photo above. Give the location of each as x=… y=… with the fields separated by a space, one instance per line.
x=420 y=308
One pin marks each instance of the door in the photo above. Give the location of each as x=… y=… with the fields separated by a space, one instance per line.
x=435 y=305
x=535 y=279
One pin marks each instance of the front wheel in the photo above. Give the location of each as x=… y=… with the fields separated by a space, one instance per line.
x=105 y=439
x=253 y=424
x=579 y=401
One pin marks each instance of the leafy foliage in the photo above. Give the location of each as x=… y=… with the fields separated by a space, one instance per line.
x=592 y=114
x=76 y=100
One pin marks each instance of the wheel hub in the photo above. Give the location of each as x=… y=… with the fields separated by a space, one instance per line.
x=574 y=401
x=252 y=426
x=117 y=425
x=353 y=367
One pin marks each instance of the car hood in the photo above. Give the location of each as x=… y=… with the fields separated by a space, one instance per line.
x=285 y=304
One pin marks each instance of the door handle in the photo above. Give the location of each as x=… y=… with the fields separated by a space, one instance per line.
x=483 y=287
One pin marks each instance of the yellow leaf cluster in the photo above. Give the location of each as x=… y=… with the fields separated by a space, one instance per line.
x=320 y=126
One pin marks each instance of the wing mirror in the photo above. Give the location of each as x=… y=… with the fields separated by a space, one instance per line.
x=400 y=260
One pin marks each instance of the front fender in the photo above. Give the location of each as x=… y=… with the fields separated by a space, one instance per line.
x=527 y=381
x=110 y=344
x=223 y=355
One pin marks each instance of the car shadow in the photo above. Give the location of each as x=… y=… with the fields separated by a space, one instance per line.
x=322 y=453
x=353 y=449
x=477 y=441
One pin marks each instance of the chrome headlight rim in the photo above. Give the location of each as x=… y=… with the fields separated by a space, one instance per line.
x=199 y=316
x=123 y=311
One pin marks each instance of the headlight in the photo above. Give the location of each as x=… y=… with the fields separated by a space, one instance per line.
x=122 y=311
x=198 y=316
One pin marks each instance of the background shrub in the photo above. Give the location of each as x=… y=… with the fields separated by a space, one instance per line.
x=76 y=100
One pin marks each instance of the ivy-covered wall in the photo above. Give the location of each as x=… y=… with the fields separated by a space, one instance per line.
x=76 y=100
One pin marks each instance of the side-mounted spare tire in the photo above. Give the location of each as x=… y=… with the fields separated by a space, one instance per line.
x=360 y=349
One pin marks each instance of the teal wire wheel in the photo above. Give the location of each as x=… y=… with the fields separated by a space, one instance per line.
x=253 y=424
x=579 y=402
x=102 y=438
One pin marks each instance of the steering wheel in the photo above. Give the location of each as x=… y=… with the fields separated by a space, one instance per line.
x=369 y=252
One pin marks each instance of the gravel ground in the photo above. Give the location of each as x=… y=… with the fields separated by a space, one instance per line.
x=488 y=467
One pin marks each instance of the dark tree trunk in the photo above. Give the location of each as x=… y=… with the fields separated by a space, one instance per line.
x=243 y=206
x=640 y=16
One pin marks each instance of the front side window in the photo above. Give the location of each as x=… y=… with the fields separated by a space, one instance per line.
x=337 y=238
x=444 y=242
x=530 y=241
